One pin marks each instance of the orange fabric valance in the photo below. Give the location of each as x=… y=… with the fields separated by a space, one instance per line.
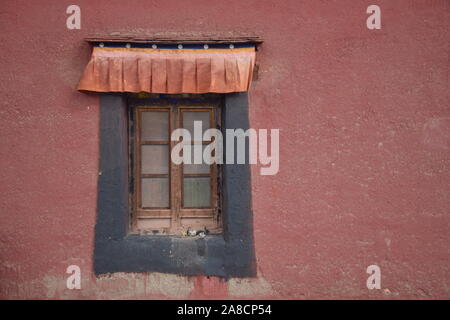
x=219 y=70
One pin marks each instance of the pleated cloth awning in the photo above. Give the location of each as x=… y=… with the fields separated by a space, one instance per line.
x=169 y=70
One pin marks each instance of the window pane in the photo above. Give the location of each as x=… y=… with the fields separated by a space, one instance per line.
x=190 y=116
x=155 y=126
x=197 y=192
x=196 y=168
x=155 y=192
x=154 y=159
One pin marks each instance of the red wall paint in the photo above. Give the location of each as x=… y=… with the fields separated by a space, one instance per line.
x=364 y=120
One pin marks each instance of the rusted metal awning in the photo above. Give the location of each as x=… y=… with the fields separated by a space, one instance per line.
x=169 y=66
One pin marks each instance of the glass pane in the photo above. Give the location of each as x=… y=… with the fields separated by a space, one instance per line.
x=155 y=192
x=155 y=126
x=197 y=192
x=190 y=116
x=155 y=159
x=196 y=168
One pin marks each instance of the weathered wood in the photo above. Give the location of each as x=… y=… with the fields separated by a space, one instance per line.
x=178 y=38
x=176 y=211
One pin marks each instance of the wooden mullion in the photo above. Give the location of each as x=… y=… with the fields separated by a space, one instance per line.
x=197 y=208
x=155 y=175
x=175 y=177
x=194 y=175
x=197 y=217
x=154 y=212
x=154 y=142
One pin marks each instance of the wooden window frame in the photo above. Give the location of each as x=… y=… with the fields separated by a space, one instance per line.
x=175 y=212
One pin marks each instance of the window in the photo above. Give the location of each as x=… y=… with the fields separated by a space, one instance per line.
x=169 y=198
x=150 y=87
x=120 y=249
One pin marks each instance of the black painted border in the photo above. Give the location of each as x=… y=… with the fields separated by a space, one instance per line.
x=229 y=255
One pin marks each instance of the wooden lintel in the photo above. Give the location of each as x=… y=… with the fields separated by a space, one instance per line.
x=174 y=39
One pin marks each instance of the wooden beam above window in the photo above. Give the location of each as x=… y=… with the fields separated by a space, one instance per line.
x=178 y=38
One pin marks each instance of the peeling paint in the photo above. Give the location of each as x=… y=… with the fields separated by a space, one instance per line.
x=170 y=285
x=120 y=286
x=254 y=288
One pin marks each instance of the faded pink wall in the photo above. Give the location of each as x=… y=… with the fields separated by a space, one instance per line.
x=365 y=145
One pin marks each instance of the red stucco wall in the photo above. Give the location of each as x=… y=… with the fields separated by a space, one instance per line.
x=364 y=147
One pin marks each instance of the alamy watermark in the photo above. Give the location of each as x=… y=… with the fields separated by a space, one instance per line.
x=189 y=149
x=74 y=20
x=74 y=280
x=374 y=20
x=374 y=280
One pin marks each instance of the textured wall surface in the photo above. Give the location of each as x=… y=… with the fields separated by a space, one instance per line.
x=364 y=125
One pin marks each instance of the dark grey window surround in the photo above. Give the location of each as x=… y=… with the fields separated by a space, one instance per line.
x=228 y=255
